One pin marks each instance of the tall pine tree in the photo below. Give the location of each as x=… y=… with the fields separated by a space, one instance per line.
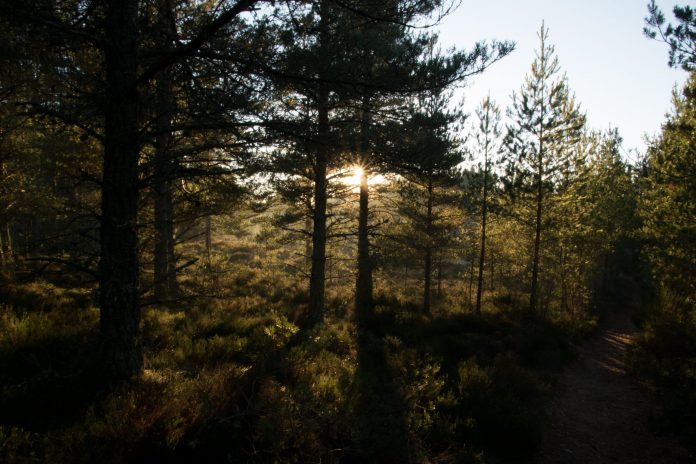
x=487 y=138
x=545 y=124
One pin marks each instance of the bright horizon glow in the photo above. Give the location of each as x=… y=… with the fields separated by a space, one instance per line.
x=620 y=77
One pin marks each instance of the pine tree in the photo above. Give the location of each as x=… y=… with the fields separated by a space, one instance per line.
x=428 y=157
x=668 y=204
x=487 y=138
x=546 y=122
x=680 y=38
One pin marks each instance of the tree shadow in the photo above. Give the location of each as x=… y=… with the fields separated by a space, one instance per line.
x=51 y=383
x=380 y=412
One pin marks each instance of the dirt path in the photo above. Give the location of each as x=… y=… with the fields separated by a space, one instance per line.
x=601 y=414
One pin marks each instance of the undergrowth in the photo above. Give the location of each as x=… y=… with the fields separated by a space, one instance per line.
x=235 y=379
x=665 y=356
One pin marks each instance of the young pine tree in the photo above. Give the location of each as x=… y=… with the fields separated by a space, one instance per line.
x=487 y=145
x=668 y=205
x=545 y=124
x=428 y=160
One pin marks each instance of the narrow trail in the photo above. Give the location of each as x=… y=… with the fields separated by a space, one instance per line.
x=602 y=413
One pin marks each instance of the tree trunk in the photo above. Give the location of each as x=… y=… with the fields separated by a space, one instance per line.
x=164 y=258
x=308 y=243
x=28 y=227
x=121 y=349
x=605 y=272
x=427 y=277
x=4 y=245
x=471 y=279
x=439 y=277
x=3 y=262
x=7 y=243
x=537 y=232
x=427 y=265
x=484 y=210
x=535 y=258
x=564 y=281
x=317 y=278
x=491 y=266
x=363 y=285
x=208 y=238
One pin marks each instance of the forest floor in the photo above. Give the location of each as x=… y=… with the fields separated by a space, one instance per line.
x=602 y=414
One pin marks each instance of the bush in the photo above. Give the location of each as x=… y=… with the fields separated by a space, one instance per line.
x=666 y=356
x=159 y=417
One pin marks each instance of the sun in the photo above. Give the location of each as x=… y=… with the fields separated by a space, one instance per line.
x=357 y=175
x=353 y=176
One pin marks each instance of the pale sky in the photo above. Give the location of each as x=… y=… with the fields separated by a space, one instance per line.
x=620 y=77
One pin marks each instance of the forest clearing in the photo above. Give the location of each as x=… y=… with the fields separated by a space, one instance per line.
x=268 y=232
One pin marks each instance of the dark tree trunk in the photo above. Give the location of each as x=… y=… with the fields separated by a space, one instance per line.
x=208 y=238
x=5 y=243
x=118 y=266
x=439 y=277
x=317 y=278
x=484 y=210
x=3 y=261
x=605 y=272
x=428 y=261
x=472 y=257
x=564 y=281
x=27 y=237
x=537 y=232
x=491 y=266
x=427 y=279
x=363 y=286
x=308 y=243
x=164 y=257
x=165 y=261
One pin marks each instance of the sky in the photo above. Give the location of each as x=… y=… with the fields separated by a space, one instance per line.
x=620 y=77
